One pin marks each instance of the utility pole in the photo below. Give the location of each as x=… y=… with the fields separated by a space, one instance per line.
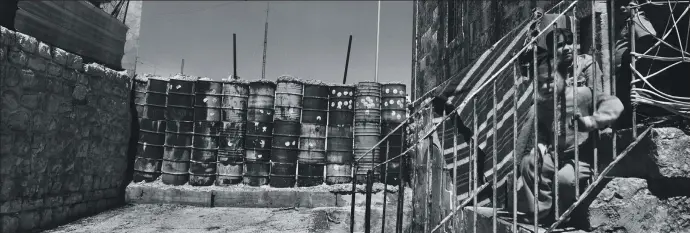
x=182 y=68
x=263 y=65
x=234 y=56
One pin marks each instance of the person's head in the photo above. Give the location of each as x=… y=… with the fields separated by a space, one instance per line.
x=564 y=45
x=549 y=80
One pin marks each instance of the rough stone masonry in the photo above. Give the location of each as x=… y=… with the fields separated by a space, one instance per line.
x=64 y=131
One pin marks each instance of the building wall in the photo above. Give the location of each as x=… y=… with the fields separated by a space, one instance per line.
x=65 y=131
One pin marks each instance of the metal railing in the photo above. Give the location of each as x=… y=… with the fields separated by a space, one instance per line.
x=489 y=96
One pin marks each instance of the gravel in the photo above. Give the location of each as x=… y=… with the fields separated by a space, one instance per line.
x=337 y=188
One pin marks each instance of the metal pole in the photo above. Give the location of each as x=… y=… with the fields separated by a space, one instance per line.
x=385 y=187
x=263 y=63
x=347 y=59
x=367 y=210
x=234 y=55
x=401 y=190
x=378 y=34
x=354 y=194
x=182 y=67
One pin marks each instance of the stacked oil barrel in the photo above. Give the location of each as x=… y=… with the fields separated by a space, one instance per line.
x=286 y=131
x=367 y=128
x=232 y=132
x=207 y=114
x=179 y=131
x=339 y=148
x=258 y=138
x=312 y=141
x=393 y=113
x=149 y=99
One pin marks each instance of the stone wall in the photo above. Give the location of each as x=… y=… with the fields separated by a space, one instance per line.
x=65 y=131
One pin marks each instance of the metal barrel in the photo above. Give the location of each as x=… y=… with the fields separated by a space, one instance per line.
x=202 y=167
x=368 y=102
x=147 y=164
x=393 y=102
x=340 y=105
x=315 y=104
x=139 y=86
x=312 y=155
x=234 y=101
x=366 y=135
x=178 y=149
x=288 y=100
x=284 y=152
x=393 y=145
x=228 y=171
x=339 y=154
x=258 y=138
x=180 y=104
x=151 y=104
x=230 y=153
x=208 y=96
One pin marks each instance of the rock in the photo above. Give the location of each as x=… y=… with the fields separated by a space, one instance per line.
x=627 y=205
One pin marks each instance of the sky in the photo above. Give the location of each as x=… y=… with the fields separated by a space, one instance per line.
x=307 y=39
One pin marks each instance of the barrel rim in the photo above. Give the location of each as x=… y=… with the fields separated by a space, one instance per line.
x=263 y=81
x=314 y=82
x=393 y=83
x=286 y=78
x=241 y=82
x=184 y=77
x=149 y=144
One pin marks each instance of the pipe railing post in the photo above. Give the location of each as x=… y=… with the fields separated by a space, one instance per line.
x=385 y=187
x=354 y=194
x=367 y=210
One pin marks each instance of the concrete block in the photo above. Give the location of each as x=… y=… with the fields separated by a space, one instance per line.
x=316 y=199
x=256 y=198
x=150 y=195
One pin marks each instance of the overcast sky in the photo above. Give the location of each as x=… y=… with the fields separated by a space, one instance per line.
x=307 y=39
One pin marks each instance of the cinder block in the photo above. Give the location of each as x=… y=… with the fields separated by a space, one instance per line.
x=150 y=195
x=316 y=199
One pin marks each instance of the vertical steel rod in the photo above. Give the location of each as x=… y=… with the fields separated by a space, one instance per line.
x=441 y=189
x=515 y=136
x=557 y=125
x=633 y=62
x=347 y=59
x=495 y=160
x=475 y=144
x=596 y=82
x=367 y=208
x=576 y=74
x=401 y=189
x=385 y=187
x=378 y=35
x=612 y=67
x=455 y=174
x=536 y=153
x=354 y=194
x=429 y=198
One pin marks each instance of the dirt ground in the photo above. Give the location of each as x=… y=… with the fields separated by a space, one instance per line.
x=142 y=218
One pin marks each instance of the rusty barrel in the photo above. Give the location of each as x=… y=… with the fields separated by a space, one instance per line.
x=340 y=105
x=284 y=151
x=288 y=100
x=393 y=146
x=177 y=153
x=147 y=164
x=258 y=138
x=234 y=101
x=150 y=98
x=368 y=102
x=339 y=154
x=208 y=95
x=393 y=103
x=366 y=135
x=312 y=155
x=202 y=166
x=315 y=103
x=230 y=152
x=180 y=104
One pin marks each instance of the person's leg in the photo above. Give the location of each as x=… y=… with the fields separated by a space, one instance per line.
x=526 y=194
x=566 y=182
